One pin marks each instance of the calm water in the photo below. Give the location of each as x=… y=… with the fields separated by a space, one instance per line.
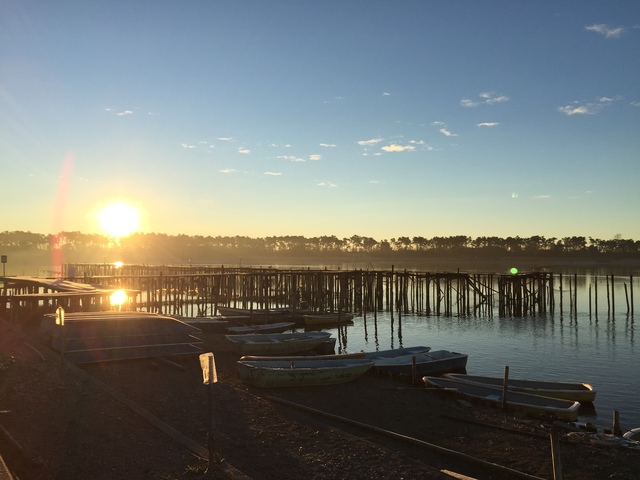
x=597 y=349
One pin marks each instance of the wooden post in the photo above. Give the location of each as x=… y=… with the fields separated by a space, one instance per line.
x=414 y=371
x=555 y=455
x=616 y=424
x=505 y=388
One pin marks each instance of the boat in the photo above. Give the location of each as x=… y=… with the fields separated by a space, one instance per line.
x=253 y=312
x=276 y=343
x=396 y=352
x=318 y=319
x=279 y=327
x=579 y=392
x=633 y=434
x=432 y=362
x=535 y=405
x=288 y=358
x=206 y=324
x=301 y=373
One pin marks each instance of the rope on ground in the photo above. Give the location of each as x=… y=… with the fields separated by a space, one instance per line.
x=405 y=438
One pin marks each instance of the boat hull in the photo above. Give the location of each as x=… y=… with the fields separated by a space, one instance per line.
x=301 y=373
x=530 y=404
x=579 y=392
x=428 y=363
x=319 y=319
x=276 y=343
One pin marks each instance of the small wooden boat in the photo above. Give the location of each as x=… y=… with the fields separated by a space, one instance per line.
x=288 y=358
x=396 y=352
x=276 y=343
x=530 y=404
x=319 y=319
x=301 y=373
x=206 y=324
x=432 y=362
x=579 y=392
x=279 y=327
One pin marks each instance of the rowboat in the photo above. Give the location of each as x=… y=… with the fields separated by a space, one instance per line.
x=317 y=319
x=206 y=324
x=301 y=373
x=396 y=352
x=432 y=362
x=289 y=358
x=279 y=327
x=276 y=343
x=535 y=405
x=579 y=392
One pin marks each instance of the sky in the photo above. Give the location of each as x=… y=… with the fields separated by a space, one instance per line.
x=339 y=117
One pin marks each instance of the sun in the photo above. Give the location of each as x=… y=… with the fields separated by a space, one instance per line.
x=119 y=219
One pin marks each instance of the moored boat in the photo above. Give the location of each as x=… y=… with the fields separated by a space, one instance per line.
x=276 y=343
x=319 y=319
x=432 y=362
x=301 y=373
x=524 y=402
x=288 y=358
x=279 y=327
x=579 y=392
x=396 y=352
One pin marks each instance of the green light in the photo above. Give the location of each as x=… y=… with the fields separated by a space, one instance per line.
x=513 y=270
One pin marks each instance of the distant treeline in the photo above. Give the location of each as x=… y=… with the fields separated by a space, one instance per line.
x=202 y=248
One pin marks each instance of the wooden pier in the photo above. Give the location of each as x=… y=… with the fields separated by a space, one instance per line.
x=193 y=291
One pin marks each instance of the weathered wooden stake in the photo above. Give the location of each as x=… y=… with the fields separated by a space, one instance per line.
x=505 y=388
x=555 y=455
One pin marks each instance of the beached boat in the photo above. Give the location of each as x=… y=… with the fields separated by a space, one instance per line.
x=432 y=362
x=288 y=358
x=319 y=319
x=579 y=392
x=396 y=352
x=276 y=343
x=535 y=405
x=279 y=327
x=301 y=373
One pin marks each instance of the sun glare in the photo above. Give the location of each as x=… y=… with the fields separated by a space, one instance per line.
x=119 y=219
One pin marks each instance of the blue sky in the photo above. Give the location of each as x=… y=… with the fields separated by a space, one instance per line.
x=374 y=118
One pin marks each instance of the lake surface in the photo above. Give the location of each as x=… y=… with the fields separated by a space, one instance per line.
x=583 y=345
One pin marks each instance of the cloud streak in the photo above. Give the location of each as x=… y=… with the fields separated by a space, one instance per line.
x=606 y=30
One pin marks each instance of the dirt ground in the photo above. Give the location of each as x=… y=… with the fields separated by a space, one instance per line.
x=148 y=419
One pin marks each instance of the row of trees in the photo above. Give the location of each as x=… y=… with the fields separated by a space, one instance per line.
x=295 y=244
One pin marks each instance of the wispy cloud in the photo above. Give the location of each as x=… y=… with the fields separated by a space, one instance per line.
x=225 y=139
x=244 y=150
x=370 y=143
x=386 y=94
x=186 y=145
x=315 y=157
x=488 y=124
x=447 y=133
x=291 y=158
x=228 y=170
x=586 y=108
x=326 y=184
x=438 y=123
x=328 y=145
x=398 y=148
x=606 y=30
x=486 y=98
x=125 y=112
x=273 y=174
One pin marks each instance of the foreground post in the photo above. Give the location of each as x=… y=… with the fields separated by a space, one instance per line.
x=505 y=388
x=209 y=377
x=555 y=454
